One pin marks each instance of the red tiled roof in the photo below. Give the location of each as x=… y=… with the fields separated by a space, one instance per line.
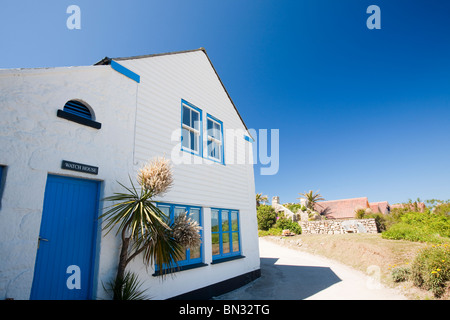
x=380 y=207
x=374 y=207
x=420 y=206
x=341 y=209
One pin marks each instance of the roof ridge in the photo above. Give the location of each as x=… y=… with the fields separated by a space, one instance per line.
x=107 y=60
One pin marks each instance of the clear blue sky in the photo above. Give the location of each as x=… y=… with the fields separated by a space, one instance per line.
x=361 y=112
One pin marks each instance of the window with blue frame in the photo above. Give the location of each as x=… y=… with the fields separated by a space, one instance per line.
x=214 y=138
x=225 y=235
x=191 y=128
x=191 y=255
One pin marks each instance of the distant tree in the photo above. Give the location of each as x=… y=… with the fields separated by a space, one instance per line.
x=260 y=199
x=311 y=198
x=266 y=216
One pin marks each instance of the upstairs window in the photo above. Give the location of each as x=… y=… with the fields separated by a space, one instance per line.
x=215 y=139
x=191 y=125
x=78 y=112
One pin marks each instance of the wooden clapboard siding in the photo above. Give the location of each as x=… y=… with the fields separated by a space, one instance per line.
x=165 y=81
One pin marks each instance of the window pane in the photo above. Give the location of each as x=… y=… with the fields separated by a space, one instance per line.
x=194 y=214
x=195 y=122
x=226 y=242
x=209 y=127
x=216 y=150
x=194 y=141
x=186 y=142
x=234 y=221
x=213 y=150
x=210 y=148
x=235 y=236
x=186 y=116
x=225 y=224
x=215 y=244
x=214 y=220
x=195 y=252
x=179 y=211
x=217 y=131
x=165 y=210
x=183 y=256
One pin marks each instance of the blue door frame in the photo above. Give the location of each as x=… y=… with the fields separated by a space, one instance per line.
x=64 y=268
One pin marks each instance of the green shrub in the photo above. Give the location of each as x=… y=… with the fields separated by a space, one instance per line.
x=443 y=209
x=418 y=226
x=400 y=274
x=128 y=288
x=410 y=232
x=395 y=216
x=266 y=216
x=431 y=269
x=430 y=222
x=294 y=207
x=360 y=213
x=270 y=232
x=286 y=223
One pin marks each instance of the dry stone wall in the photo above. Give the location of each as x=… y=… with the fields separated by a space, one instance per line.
x=339 y=226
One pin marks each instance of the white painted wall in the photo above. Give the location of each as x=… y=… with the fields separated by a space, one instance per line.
x=139 y=121
x=34 y=141
x=165 y=80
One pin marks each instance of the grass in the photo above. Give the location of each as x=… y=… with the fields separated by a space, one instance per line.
x=361 y=251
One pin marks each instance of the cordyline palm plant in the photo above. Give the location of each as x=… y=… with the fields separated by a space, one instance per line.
x=142 y=226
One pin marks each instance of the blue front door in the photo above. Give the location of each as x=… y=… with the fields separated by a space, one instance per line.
x=66 y=245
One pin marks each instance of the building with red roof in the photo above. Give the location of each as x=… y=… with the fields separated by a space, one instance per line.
x=346 y=208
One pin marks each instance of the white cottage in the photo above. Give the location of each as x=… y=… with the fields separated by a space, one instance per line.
x=68 y=135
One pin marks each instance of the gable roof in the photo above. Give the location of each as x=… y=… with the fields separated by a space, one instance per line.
x=341 y=209
x=107 y=61
x=380 y=207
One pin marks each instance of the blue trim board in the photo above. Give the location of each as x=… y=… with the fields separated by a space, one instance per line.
x=126 y=72
x=249 y=139
x=191 y=105
x=214 y=118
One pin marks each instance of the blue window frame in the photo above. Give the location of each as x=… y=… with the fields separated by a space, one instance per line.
x=191 y=255
x=225 y=233
x=215 y=139
x=191 y=128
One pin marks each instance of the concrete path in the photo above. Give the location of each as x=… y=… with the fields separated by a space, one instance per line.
x=288 y=274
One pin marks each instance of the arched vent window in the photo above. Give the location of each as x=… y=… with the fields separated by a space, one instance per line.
x=78 y=112
x=77 y=108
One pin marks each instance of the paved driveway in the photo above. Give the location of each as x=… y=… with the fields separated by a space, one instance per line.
x=288 y=274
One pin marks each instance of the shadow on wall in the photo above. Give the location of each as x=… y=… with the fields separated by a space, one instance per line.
x=285 y=282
